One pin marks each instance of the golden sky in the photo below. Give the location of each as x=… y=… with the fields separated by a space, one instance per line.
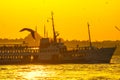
x=70 y=17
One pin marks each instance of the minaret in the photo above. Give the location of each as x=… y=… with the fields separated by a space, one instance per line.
x=35 y=32
x=44 y=31
x=89 y=34
x=36 y=28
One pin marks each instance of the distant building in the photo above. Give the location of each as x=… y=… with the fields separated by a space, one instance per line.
x=32 y=42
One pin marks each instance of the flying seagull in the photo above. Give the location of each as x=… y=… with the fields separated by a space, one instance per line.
x=30 y=30
x=117 y=28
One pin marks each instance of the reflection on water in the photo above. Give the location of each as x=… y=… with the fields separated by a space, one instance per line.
x=62 y=71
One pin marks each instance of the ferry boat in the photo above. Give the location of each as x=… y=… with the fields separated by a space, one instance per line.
x=55 y=52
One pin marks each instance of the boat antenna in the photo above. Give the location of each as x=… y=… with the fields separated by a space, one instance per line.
x=89 y=34
x=54 y=34
x=47 y=34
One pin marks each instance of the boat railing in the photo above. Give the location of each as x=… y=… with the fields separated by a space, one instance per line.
x=19 y=49
x=82 y=48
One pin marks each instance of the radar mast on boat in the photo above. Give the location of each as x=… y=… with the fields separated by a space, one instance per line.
x=89 y=35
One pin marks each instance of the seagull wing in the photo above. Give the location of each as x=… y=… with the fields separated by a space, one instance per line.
x=30 y=30
x=117 y=28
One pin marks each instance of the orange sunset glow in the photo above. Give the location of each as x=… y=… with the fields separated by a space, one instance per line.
x=70 y=17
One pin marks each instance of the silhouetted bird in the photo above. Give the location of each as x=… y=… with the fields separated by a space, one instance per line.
x=30 y=30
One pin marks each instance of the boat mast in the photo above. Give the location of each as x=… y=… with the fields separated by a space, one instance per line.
x=89 y=34
x=54 y=34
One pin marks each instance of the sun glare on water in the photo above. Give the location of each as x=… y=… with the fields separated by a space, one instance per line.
x=36 y=72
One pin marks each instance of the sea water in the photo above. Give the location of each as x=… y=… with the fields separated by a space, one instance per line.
x=62 y=71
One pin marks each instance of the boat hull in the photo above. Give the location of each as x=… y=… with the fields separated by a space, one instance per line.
x=102 y=55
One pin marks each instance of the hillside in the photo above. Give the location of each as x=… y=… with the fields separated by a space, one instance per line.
x=70 y=44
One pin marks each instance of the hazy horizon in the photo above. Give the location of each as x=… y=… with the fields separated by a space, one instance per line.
x=70 y=18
